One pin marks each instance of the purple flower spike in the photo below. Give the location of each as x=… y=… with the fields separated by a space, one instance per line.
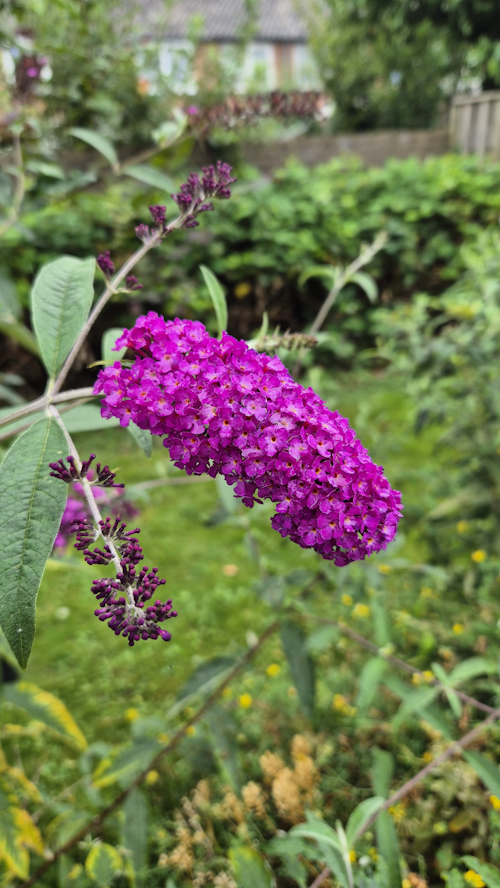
x=192 y=198
x=224 y=409
x=105 y=264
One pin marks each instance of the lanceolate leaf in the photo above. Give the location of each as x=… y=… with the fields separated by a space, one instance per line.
x=488 y=771
x=100 y=143
x=31 y=507
x=301 y=665
x=46 y=708
x=142 y=437
x=135 y=832
x=150 y=176
x=387 y=840
x=108 y=343
x=218 y=298
x=61 y=298
x=251 y=868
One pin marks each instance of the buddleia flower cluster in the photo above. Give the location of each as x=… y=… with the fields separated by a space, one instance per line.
x=127 y=601
x=224 y=409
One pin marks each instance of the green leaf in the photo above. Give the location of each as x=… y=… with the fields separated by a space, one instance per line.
x=382 y=771
x=218 y=298
x=369 y=680
x=108 y=343
x=326 y=271
x=124 y=763
x=226 y=495
x=488 y=771
x=52 y=170
x=387 y=844
x=204 y=675
x=470 y=669
x=150 y=176
x=415 y=700
x=102 y=864
x=12 y=852
x=328 y=841
x=10 y=307
x=135 y=832
x=301 y=664
x=61 y=298
x=223 y=730
x=46 y=708
x=489 y=874
x=322 y=639
x=360 y=814
x=143 y=438
x=98 y=142
x=367 y=283
x=251 y=868
x=87 y=418
x=385 y=830
x=31 y=507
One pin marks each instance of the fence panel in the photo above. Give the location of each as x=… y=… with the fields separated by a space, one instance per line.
x=475 y=124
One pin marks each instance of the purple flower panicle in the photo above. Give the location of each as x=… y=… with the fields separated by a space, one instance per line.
x=132 y=283
x=225 y=409
x=194 y=194
x=126 y=602
x=105 y=477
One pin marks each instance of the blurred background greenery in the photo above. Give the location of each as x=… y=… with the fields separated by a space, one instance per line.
x=92 y=131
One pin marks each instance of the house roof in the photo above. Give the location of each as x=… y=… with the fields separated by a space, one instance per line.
x=277 y=20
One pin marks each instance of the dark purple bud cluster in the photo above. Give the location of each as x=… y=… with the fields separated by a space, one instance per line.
x=132 y=283
x=225 y=409
x=213 y=183
x=192 y=199
x=126 y=601
x=104 y=476
x=105 y=264
x=72 y=474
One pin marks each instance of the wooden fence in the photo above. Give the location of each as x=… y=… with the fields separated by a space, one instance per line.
x=475 y=124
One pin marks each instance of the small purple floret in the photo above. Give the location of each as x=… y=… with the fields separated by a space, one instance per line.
x=225 y=409
x=132 y=283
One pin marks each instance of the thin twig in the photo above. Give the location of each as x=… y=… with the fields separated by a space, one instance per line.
x=395 y=661
x=321 y=878
x=99 y=819
x=64 y=409
x=363 y=259
x=407 y=787
x=44 y=400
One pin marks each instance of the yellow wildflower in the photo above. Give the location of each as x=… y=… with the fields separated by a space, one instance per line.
x=151 y=778
x=428 y=675
x=131 y=714
x=339 y=702
x=347 y=599
x=245 y=701
x=352 y=856
x=427 y=756
x=478 y=556
x=458 y=628
x=406 y=883
x=384 y=569
x=495 y=801
x=462 y=526
x=361 y=610
x=191 y=731
x=473 y=878
x=273 y=670
x=397 y=812
x=242 y=289
x=416 y=678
